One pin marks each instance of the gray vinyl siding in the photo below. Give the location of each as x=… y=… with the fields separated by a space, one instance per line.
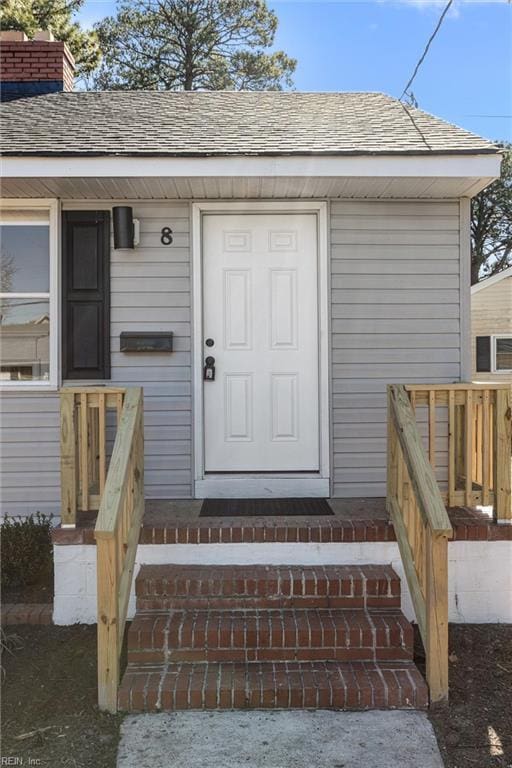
x=150 y=291
x=395 y=317
x=29 y=453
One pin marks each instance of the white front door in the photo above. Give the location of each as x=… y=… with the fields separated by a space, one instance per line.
x=260 y=323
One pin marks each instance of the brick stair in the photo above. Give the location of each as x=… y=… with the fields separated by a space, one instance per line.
x=269 y=637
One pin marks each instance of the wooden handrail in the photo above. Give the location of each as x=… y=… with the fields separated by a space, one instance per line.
x=117 y=534
x=419 y=468
x=422 y=529
x=86 y=414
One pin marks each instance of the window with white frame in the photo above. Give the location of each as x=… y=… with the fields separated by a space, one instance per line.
x=502 y=354
x=28 y=298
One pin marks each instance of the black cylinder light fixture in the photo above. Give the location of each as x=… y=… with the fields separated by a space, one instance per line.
x=123 y=226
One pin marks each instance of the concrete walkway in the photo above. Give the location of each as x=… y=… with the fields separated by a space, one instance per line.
x=279 y=739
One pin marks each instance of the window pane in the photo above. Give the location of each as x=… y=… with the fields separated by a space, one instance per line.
x=504 y=354
x=24 y=340
x=24 y=259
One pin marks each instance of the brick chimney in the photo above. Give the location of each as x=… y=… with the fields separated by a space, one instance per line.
x=33 y=67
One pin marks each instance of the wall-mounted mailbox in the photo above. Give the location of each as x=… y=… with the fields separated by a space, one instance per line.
x=146 y=341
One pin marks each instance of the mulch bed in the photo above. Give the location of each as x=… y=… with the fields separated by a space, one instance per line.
x=49 y=699
x=476 y=728
x=49 y=710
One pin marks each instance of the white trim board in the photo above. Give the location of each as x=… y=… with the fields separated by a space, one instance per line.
x=393 y=166
x=494 y=369
x=93 y=203
x=52 y=206
x=251 y=487
x=238 y=486
x=464 y=287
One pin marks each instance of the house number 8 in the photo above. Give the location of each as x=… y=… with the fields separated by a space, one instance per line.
x=166 y=238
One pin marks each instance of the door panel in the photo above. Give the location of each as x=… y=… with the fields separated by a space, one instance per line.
x=260 y=294
x=238 y=407
x=237 y=309
x=283 y=320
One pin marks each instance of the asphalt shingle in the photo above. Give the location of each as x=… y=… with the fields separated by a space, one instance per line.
x=156 y=123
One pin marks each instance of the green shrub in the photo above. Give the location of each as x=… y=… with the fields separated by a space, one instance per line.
x=26 y=550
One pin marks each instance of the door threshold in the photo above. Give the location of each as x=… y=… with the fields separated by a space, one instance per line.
x=257 y=487
x=264 y=475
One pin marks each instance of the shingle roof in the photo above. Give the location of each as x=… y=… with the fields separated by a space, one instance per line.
x=226 y=123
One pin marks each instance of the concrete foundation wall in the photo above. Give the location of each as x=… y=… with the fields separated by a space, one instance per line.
x=480 y=577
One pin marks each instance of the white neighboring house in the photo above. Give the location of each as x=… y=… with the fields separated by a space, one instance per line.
x=491 y=328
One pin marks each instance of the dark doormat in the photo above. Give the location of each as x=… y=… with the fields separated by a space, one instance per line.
x=264 y=507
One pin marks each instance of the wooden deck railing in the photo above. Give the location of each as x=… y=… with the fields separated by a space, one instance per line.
x=448 y=444
x=468 y=430
x=422 y=530
x=117 y=535
x=87 y=416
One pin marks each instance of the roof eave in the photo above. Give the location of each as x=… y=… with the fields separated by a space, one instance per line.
x=459 y=175
x=293 y=153
x=489 y=281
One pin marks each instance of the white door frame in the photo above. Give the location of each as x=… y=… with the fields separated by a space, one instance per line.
x=259 y=485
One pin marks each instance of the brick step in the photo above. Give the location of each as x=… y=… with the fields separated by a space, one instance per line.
x=259 y=586
x=273 y=685
x=269 y=635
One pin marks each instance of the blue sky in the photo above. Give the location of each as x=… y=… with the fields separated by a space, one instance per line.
x=373 y=45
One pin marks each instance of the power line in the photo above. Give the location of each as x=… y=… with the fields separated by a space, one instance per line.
x=424 y=54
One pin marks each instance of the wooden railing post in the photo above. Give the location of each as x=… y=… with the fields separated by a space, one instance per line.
x=68 y=460
x=392 y=455
x=503 y=457
x=436 y=643
x=108 y=622
x=422 y=529
x=83 y=458
x=453 y=437
x=459 y=446
x=117 y=534
x=118 y=494
x=479 y=473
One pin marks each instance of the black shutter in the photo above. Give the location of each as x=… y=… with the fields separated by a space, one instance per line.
x=483 y=353
x=86 y=295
